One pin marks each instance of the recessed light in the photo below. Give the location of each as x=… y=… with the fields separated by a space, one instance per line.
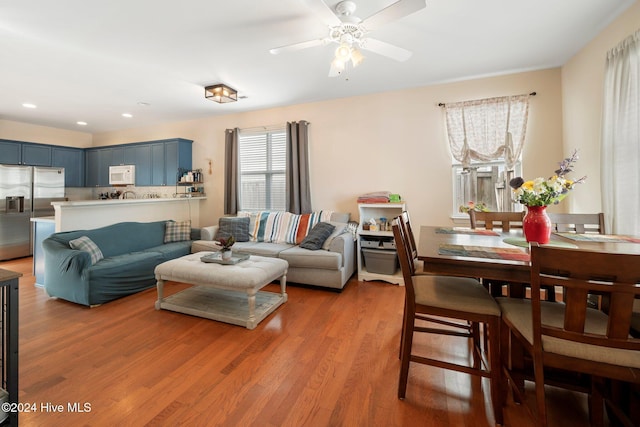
x=127 y=115
x=82 y=123
x=29 y=105
x=143 y=104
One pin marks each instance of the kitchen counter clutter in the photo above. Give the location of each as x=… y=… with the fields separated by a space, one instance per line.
x=89 y=214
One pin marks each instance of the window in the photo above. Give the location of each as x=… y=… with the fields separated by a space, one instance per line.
x=486 y=137
x=262 y=158
x=484 y=182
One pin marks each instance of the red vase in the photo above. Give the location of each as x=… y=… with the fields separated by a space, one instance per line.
x=537 y=225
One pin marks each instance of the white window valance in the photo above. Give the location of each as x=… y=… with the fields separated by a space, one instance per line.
x=487 y=129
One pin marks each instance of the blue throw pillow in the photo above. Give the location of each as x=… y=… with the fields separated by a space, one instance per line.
x=238 y=227
x=316 y=237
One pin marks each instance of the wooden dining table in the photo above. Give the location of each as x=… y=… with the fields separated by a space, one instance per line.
x=458 y=251
x=485 y=253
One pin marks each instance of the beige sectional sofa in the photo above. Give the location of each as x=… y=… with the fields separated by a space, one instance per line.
x=328 y=267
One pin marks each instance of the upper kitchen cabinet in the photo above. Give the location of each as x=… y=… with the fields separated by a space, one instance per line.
x=24 y=153
x=157 y=162
x=98 y=161
x=178 y=156
x=72 y=160
x=93 y=173
x=164 y=159
x=140 y=156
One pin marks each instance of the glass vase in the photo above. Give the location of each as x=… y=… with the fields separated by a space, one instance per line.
x=537 y=225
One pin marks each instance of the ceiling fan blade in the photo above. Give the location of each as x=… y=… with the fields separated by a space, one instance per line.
x=397 y=10
x=323 y=11
x=386 y=49
x=298 y=46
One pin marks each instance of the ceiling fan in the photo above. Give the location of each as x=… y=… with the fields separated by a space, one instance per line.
x=349 y=32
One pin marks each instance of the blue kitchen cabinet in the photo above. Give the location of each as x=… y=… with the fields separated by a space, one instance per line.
x=157 y=162
x=116 y=156
x=178 y=156
x=36 y=154
x=10 y=152
x=158 y=175
x=24 y=153
x=92 y=162
x=72 y=160
x=140 y=156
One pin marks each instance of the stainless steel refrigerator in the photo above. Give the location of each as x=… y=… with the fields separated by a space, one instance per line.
x=25 y=192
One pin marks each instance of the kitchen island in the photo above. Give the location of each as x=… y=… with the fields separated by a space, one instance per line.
x=90 y=214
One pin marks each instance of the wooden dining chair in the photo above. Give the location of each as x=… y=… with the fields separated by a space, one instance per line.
x=451 y=299
x=571 y=337
x=577 y=223
x=490 y=220
x=411 y=240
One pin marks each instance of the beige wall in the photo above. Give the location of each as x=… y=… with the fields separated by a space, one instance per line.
x=582 y=92
x=389 y=141
x=44 y=135
x=396 y=141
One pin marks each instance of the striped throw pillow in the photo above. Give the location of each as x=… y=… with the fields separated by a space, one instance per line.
x=282 y=227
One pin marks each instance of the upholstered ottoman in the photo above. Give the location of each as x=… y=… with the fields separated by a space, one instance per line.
x=227 y=293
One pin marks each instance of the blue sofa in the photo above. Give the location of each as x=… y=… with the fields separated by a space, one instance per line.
x=131 y=252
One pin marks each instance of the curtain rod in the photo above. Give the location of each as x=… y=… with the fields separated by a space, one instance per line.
x=441 y=104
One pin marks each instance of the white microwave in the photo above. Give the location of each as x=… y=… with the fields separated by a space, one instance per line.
x=122 y=175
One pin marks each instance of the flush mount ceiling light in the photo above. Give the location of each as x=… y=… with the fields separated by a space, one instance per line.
x=221 y=93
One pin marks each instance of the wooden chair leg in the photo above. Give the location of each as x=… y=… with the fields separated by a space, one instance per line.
x=497 y=395
x=407 y=339
x=596 y=402
x=402 y=330
x=538 y=374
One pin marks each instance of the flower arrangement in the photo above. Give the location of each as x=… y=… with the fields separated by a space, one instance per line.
x=472 y=206
x=544 y=192
x=226 y=243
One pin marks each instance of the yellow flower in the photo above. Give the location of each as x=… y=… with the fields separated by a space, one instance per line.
x=528 y=185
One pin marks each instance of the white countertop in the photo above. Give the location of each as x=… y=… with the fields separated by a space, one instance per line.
x=107 y=202
x=51 y=219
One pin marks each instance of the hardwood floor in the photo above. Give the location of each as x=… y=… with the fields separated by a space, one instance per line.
x=322 y=359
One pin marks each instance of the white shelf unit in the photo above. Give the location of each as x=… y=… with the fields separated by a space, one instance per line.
x=377 y=211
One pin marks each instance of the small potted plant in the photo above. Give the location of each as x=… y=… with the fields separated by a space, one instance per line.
x=225 y=246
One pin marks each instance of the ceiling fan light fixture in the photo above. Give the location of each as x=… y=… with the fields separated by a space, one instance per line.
x=356 y=57
x=338 y=64
x=221 y=93
x=343 y=52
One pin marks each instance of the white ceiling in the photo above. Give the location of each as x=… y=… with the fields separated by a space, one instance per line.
x=91 y=61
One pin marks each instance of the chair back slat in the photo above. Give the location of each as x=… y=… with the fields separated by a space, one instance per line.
x=577 y=223
x=490 y=220
x=620 y=313
x=406 y=223
x=406 y=260
x=615 y=277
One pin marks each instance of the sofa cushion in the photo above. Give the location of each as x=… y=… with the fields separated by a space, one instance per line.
x=305 y=258
x=238 y=227
x=339 y=229
x=173 y=249
x=120 y=238
x=84 y=243
x=122 y=275
x=317 y=236
x=177 y=231
x=262 y=248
